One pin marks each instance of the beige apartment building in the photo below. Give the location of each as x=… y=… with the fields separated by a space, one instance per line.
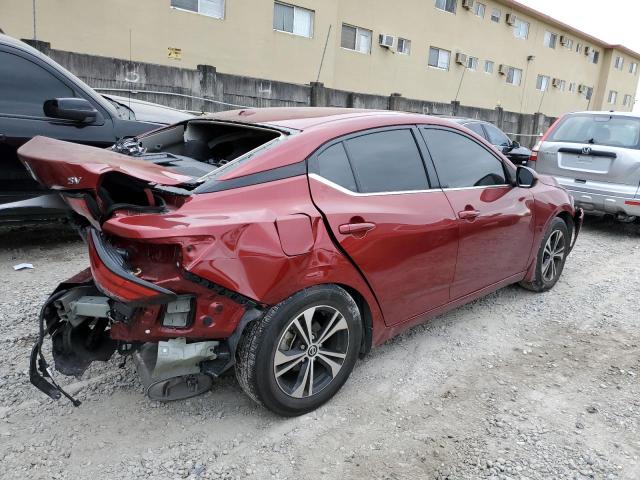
x=484 y=53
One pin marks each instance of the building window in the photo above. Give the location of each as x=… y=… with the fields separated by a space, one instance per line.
x=495 y=15
x=569 y=43
x=572 y=87
x=585 y=92
x=542 y=83
x=594 y=56
x=613 y=97
x=292 y=19
x=633 y=68
x=562 y=85
x=404 y=46
x=514 y=76
x=356 y=38
x=521 y=28
x=619 y=63
x=439 y=58
x=578 y=47
x=550 y=39
x=472 y=63
x=210 y=8
x=626 y=102
x=447 y=5
x=479 y=9
x=488 y=66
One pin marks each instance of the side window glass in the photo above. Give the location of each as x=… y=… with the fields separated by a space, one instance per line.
x=461 y=162
x=496 y=136
x=476 y=128
x=24 y=86
x=333 y=165
x=387 y=162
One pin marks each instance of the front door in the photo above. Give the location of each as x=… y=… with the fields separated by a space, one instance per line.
x=375 y=195
x=24 y=87
x=494 y=217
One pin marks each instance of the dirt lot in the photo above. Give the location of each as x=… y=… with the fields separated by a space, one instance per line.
x=516 y=385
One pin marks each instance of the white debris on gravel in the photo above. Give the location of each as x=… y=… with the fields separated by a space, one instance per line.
x=514 y=386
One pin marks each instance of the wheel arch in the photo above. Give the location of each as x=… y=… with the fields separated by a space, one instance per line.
x=366 y=316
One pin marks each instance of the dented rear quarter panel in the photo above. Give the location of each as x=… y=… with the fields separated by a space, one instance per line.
x=233 y=238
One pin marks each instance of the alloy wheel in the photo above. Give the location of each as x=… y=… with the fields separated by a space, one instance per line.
x=553 y=256
x=311 y=351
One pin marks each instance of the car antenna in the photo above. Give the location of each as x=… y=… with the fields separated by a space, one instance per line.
x=130 y=67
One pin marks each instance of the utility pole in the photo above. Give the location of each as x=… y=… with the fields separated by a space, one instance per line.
x=530 y=59
x=460 y=84
x=324 y=51
x=35 y=31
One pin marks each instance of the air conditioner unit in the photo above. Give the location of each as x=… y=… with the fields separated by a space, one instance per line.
x=556 y=82
x=563 y=40
x=503 y=69
x=461 y=58
x=386 y=41
x=468 y=4
x=582 y=88
x=511 y=19
x=588 y=50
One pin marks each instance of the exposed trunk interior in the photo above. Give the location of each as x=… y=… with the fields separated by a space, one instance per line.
x=198 y=147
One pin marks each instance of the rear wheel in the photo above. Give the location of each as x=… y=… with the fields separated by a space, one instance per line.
x=302 y=351
x=551 y=257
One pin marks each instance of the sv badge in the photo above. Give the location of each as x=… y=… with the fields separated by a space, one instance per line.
x=73 y=180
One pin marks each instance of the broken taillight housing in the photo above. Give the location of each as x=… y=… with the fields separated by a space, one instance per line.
x=113 y=278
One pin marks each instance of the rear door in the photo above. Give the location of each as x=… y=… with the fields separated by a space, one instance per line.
x=25 y=83
x=494 y=217
x=594 y=153
x=375 y=195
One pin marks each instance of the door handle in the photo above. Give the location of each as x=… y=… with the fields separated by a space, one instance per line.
x=468 y=214
x=351 y=228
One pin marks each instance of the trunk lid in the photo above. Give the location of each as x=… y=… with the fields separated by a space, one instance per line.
x=60 y=165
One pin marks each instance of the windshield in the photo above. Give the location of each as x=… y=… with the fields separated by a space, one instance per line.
x=608 y=130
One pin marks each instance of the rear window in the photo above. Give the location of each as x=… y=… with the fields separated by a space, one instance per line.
x=609 y=130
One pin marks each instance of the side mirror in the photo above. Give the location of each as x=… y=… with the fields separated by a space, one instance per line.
x=526 y=177
x=515 y=145
x=75 y=109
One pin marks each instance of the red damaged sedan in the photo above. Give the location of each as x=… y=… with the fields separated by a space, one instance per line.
x=285 y=243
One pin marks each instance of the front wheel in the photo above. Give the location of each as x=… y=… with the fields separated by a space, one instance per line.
x=551 y=257
x=302 y=351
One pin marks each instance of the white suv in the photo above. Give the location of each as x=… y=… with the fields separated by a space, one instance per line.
x=596 y=157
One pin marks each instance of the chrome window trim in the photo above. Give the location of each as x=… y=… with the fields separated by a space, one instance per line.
x=502 y=185
x=346 y=191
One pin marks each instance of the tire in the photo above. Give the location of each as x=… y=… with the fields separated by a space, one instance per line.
x=555 y=244
x=273 y=354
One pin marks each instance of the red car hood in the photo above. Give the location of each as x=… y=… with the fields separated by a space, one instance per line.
x=69 y=166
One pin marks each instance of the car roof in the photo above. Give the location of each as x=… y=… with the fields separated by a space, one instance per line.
x=462 y=120
x=315 y=126
x=606 y=112
x=305 y=118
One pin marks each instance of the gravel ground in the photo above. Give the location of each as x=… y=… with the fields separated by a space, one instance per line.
x=514 y=386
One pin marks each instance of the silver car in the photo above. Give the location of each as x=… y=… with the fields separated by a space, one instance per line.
x=596 y=157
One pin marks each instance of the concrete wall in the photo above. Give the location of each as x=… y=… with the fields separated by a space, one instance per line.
x=244 y=43
x=204 y=89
